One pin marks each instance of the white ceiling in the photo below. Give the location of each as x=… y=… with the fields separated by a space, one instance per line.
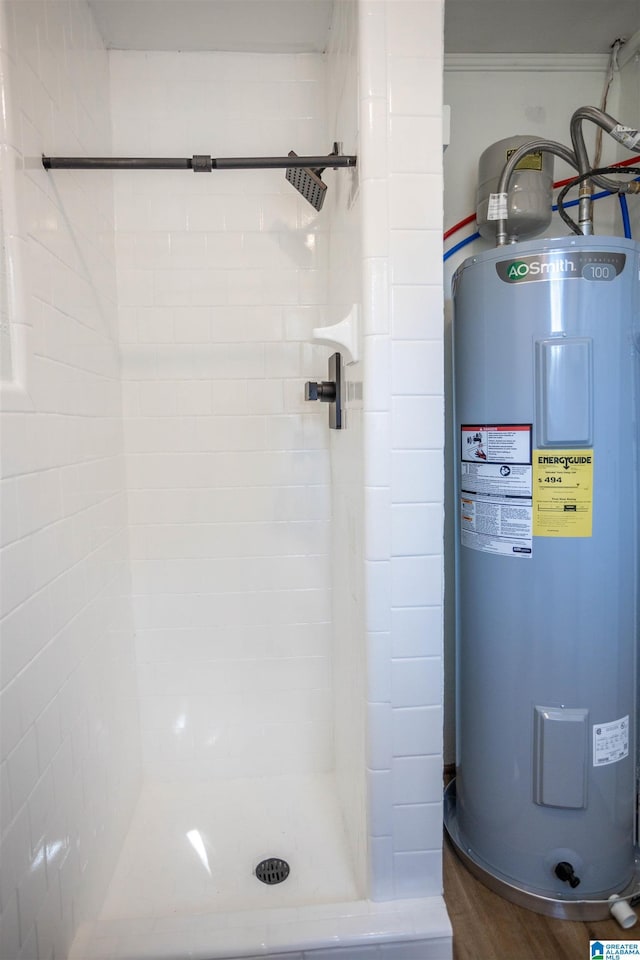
x=299 y=26
x=259 y=26
x=538 y=26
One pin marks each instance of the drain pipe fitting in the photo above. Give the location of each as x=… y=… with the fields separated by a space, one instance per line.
x=546 y=146
x=622 y=911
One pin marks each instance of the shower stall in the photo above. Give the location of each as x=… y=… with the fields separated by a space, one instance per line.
x=222 y=621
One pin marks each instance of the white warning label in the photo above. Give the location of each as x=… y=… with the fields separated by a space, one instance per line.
x=495 y=489
x=498 y=479
x=498 y=206
x=498 y=443
x=628 y=136
x=496 y=526
x=610 y=742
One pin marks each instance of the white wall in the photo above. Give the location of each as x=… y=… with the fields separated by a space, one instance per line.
x=628 y=106
x=347 y=533
x=403 y=424
x=221 y=278
x=68 y=720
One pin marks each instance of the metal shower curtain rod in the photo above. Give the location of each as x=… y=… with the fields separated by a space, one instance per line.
x=200 y=163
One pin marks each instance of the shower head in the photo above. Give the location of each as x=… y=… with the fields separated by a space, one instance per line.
x=308 y=183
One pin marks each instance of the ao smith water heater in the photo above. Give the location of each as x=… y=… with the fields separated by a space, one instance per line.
x=546 y=381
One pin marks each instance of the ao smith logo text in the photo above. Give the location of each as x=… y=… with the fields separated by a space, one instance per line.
x=597 y=265
x=520 y=269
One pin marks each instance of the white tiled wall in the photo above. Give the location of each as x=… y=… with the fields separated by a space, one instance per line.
x=69 y=764
x=345 y=290
x=221 y=278
x=211 y=459
x=401 y=185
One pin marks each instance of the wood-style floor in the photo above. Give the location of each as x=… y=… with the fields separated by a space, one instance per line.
x=486 y=927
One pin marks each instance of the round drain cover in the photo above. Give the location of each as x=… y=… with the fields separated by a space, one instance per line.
x=272 y=870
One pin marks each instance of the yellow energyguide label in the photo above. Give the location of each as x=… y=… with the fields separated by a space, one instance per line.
x=562 y=493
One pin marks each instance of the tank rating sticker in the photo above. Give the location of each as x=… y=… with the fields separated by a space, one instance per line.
x=562 y=493
x=495 y=488
x=610 y=742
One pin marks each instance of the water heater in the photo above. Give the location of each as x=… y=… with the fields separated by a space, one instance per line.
x=546 y=357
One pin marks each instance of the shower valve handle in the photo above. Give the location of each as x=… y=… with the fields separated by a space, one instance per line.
x=329 y=391
x=324 y=391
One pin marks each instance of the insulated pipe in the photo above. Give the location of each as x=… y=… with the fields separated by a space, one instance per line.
x=548 y=146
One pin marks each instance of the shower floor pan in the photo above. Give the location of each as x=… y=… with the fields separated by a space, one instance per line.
x=185 y=887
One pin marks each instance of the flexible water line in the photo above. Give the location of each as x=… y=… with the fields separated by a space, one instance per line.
x=611 y=126
x=458 y=226
x=620 y=133
x=624 y=210
x=547 y=146
x=459 y=246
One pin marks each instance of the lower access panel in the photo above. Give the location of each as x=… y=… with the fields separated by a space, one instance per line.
x=560 y=746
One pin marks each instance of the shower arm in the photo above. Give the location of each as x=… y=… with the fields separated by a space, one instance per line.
x=199 y=163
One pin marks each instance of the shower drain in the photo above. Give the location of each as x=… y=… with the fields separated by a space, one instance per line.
x=272 y=870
